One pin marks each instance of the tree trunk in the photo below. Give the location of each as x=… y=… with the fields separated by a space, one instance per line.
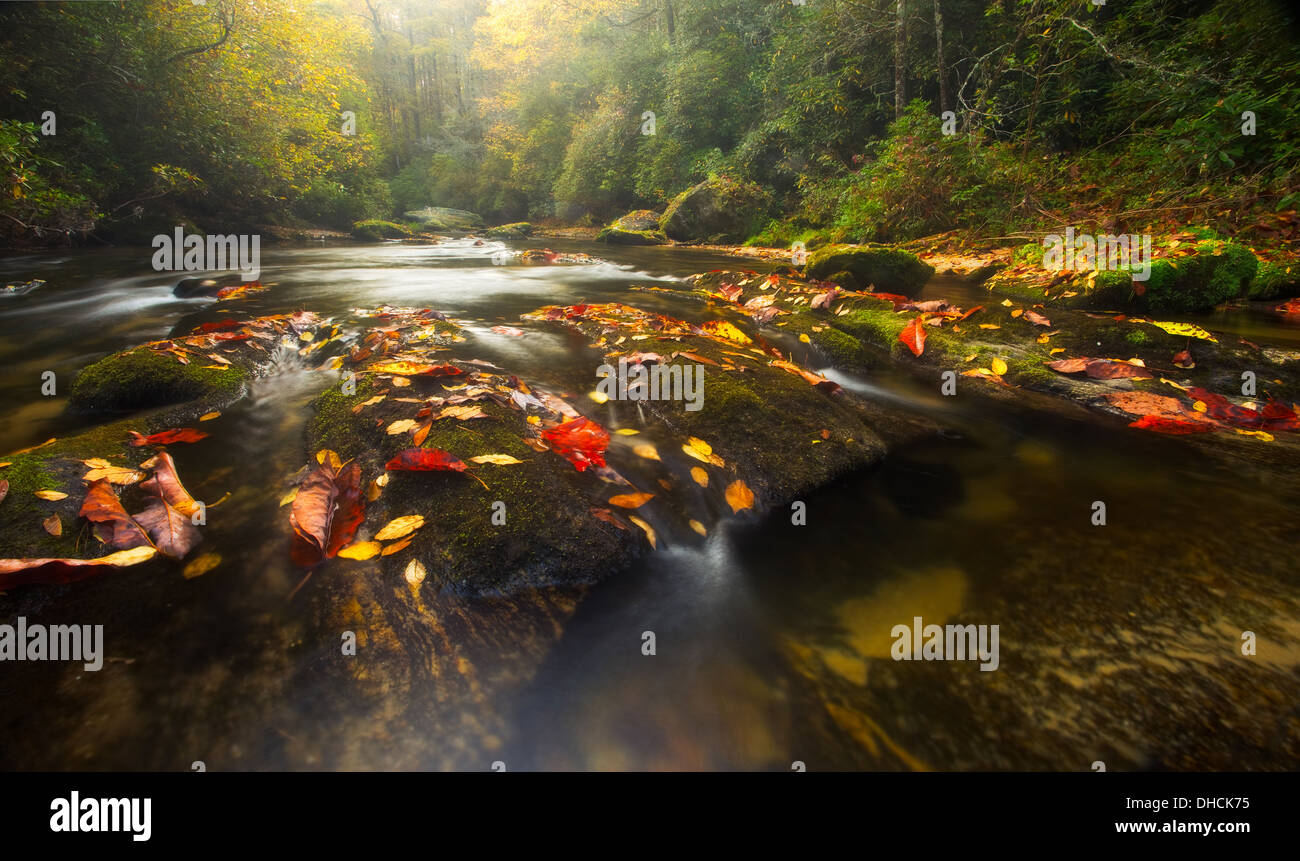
x=944 y=104
x=900 y=60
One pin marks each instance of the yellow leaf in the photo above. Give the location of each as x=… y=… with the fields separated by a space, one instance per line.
x=201 y=565
x=399 y=527
x=1258 y=434
x=52 y=495
x=1007 y=303
x=207 y=417
x=739 y=496
x=401 y=426
x=325 y=456
x=1199 y=406
x=646 y=528
x=989 y=326
x=288 y=497
x=401 y=382
x=360 y=550
x=1017 y=312
x=498 y=459
x=598 y=397
x=999 y=366
x=804 y=338
x=305 y=337
x=701 y=477
x=1188 y=329
x=627 y=431
x=97 y=463
x=535 y=420
x=118 y=475
x=723 y=329
x=970 y=358
x=414 y=572
x=1056 y=350
x=699 y=527
x=647 y=451
x=631 y=500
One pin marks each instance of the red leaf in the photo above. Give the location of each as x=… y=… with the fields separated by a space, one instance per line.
x=424 y=459
x=1069 y=366
x=914 y=336
x=326 y=513
x=1172 y=426
x=167 y=437
x=218 y=327
x=1184 y=360
x=581 y=441
x=1037 y=319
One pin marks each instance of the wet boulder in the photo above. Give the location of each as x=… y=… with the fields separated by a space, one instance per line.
x=208 y=285
x=515 y=230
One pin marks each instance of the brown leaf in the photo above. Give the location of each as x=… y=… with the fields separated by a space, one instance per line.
x=166 y=484
x=739 y=496
x=631 y=500
x=22 y=572
x=112 y=524
x=53 y=525
x=171 y=532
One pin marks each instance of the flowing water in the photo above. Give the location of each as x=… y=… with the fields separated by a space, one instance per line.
x=1118 y=643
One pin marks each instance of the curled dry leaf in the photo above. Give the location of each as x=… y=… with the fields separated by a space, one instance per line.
x=53 y=525
x=166 y=484
x=913 y=337
x=21 y=572
x=170 y=531
x=326 y=513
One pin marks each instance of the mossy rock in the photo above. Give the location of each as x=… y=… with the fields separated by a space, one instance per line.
x=636 y=228
x=1216 y=272
x=719 y=207
x=374 y=229
x=889 y=270
x=1274 y=279
x=514 y=230
x=442 y=219
x=140 y=379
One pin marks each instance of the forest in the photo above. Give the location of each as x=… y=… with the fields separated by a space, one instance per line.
x=828 y=115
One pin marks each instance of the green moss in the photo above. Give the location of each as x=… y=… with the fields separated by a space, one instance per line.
x=1273 y=279
x=891 y=270
x=879 y=328
x=140 y=378
x=1136 y=337
x=1030 y=252
x=618 y=236
x=514 y=230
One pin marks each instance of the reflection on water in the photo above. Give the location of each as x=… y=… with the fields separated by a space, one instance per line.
x=1118 y=643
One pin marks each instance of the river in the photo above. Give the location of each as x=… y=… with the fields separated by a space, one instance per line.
x=1118 y=644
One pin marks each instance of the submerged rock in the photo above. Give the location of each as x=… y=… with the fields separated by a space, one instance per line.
x=515 y=230
x=208 y=285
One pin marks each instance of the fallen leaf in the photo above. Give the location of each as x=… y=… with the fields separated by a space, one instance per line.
x=1037 y=319
x=415 y=572
x=53 y=525
x=52 y=495
x=397 y=546
x=326 y=513
x=401 y=426
x=913 y=337
x=325 y=456
x=167 y=437
x=631 y=500
x=22 y=572
x=201 y=565
x=646 y=450
x=166 y=484
x=360 y=550
x=207 y=417
x=580 y=441
x=723 y=329
x=399 y=527
x=701 y=477
x=699 y=527
x=424 y=460
x=998 y=366
x=1184 y=360
x=169 y=530
x=1189 y=329
x=118 y=475
x=498 y=459
x=646 y=528
x=620 y=431
x=739 y=496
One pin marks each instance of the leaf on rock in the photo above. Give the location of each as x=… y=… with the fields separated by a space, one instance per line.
x=400 y=527
x=22 y=572
x=166 y=484
x=424 y=460
x=580 y=441
x=113 y=525
x=361 y=550
x=169 y=530
x=914 y=336
x=739 y=496
x=498 y=459
x=631 y=500
x=52 y=495
x=167 y=437
x=53 y=525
